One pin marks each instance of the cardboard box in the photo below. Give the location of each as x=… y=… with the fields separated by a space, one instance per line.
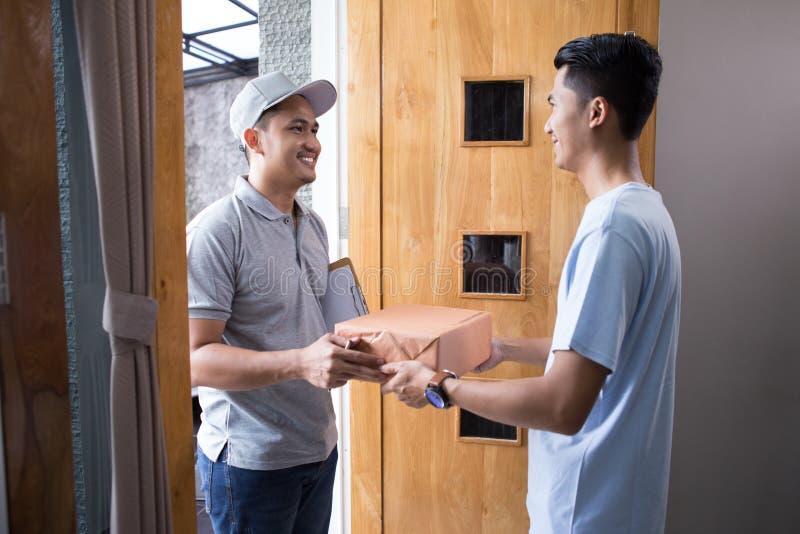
x=443 y=338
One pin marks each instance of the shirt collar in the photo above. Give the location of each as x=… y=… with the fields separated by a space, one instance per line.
x=244 y=191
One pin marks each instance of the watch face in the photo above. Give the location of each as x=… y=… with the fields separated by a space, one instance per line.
x=434 y=398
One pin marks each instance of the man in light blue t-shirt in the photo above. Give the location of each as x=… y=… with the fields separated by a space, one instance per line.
x=601 y=416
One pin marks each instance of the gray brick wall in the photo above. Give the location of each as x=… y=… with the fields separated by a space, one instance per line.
x=213 y=159
x=212 y=156
x=285 y=30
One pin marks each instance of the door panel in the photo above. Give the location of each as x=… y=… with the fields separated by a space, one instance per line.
x=34 y=380
x=431 y=188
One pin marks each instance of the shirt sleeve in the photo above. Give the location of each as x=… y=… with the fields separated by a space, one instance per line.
x=211 y=274
x=602 y=298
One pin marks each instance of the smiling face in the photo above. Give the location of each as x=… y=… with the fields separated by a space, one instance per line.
x=568 y=125
x=289 y=144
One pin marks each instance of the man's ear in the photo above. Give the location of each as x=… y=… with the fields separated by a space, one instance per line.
x=598 y=111
x=250 y=136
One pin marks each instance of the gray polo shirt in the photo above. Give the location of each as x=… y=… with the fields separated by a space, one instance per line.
x=248 y=268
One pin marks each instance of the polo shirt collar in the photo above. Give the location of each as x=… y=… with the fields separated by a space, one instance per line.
x=244 y=191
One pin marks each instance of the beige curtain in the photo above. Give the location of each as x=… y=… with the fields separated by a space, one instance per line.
x=116 y=39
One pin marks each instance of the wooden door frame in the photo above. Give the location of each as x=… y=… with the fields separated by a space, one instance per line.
x=364 y=101
x=169 y=266
x=641 y=16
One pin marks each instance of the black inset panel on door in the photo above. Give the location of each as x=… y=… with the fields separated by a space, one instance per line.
x=492 y=264
x=494 y=110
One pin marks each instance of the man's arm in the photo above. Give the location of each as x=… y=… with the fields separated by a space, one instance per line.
x=325 y=363
x=529 y=351
x=559 y=401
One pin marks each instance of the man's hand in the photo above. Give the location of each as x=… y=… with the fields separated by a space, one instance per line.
x=328 y=364
x=496 y=357
x=409 y=382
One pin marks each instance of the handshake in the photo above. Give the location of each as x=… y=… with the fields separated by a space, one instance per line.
x=334 y=360
x=409 y=379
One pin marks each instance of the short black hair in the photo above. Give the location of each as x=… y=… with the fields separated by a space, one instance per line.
x=623 y=68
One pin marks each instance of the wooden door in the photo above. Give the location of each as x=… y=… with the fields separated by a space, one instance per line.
x=413 y=188
x=34 y=379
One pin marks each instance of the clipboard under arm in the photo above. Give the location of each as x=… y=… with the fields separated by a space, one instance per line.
x=343 y=298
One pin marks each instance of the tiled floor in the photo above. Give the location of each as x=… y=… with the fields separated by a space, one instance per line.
x=203 y=522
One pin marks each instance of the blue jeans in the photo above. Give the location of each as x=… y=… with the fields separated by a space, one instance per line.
x=295 y=500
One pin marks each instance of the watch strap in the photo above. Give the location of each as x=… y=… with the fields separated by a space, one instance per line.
x=435 y=384
x=437 y=379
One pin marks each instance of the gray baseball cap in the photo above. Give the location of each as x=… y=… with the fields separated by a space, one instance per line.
x=260 y=94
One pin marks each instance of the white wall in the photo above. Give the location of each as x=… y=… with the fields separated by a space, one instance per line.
x=328 y=55
x=727 y=147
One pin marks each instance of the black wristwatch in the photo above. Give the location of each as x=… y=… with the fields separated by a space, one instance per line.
x=435 y=392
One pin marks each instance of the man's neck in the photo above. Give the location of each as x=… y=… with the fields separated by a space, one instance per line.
x=280 y=197
x=607 y=170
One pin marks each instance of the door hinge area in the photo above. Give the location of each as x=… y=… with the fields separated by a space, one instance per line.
x=344 y=223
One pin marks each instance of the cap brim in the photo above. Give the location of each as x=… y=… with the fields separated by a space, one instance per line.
x=320 y=94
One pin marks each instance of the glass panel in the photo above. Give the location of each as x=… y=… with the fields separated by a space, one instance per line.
x=241 y=42
x=200 y=15
x=191 y=62
x=492 y=264
x=494 y=110
x=475 y=426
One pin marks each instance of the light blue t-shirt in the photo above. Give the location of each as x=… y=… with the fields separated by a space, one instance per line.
x=618 y=305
